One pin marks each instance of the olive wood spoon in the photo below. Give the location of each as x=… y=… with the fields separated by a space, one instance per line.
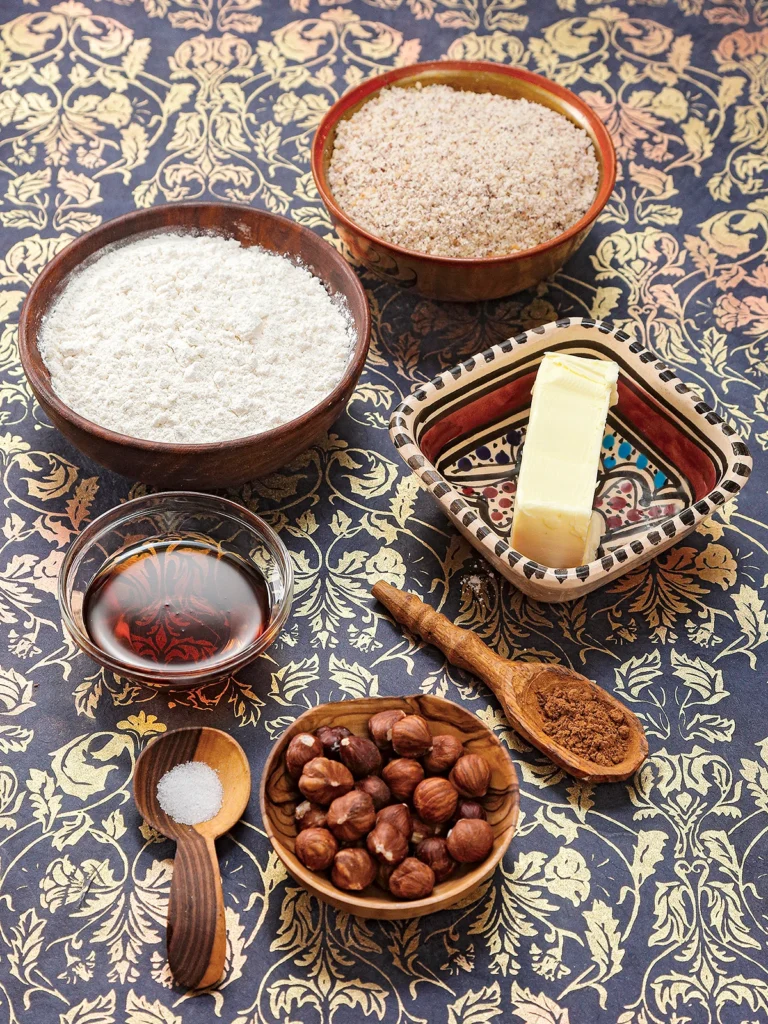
x=516 y=685
x=195 y=935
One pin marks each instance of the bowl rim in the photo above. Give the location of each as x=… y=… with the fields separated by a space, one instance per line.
x=410 y=908
x=660 y=379
x=90 y=537
x=29 y=350
x=605 y=154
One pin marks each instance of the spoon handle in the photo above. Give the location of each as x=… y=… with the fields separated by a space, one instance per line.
x=196 y=935
x=462 y=648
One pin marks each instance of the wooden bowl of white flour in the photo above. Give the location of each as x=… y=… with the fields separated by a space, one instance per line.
x=195 y=345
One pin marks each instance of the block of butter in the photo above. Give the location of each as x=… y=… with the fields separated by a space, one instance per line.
x=553 y=522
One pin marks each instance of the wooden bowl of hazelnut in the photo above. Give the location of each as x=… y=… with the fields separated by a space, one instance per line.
x=389 y=807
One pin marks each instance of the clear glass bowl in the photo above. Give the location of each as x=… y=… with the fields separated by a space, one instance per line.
x=176 y=515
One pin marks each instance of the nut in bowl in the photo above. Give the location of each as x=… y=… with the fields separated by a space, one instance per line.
x=446 y=277
x=402 y=857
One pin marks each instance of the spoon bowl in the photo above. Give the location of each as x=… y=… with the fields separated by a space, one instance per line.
x=196 y=935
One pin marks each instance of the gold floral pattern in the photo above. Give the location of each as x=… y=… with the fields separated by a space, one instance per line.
x=638 y=904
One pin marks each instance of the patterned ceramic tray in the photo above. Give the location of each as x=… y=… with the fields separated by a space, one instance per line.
x=667 y=459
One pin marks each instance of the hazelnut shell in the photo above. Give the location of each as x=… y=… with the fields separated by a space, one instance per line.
x=316 y=848
x=411 y=736
x=323 y=780
x=470 y=840
x=434 y=800
x=412 y=880
x=471 y=775
x=402 y=776
x=353 y=869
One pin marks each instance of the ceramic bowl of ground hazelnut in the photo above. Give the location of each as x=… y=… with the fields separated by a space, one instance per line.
x=463 y=180
x=390 y=807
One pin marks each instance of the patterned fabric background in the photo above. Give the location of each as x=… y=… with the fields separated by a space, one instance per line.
x=627 y=904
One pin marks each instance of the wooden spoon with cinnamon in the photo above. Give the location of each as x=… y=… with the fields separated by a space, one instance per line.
x=557 y=710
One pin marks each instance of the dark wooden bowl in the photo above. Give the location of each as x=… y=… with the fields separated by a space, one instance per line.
x=279 y=797
x=442 y=277
x=197 y=466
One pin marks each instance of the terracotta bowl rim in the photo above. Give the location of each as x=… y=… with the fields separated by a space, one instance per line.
x=604 y=151
x=41 y=381
x=410 y=908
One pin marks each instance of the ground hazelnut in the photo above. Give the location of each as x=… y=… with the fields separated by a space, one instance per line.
x=398 y=815
x=387 y=843
x=411 y=736
x=331 y=736
x=360 y=755
x=471 y=775
x=316 y=848
x=309 y=815
x=446 y=751
x=434 y=852
x=424 y=830
x=469 y=809
x=434 y=800
x=351 y=816
x=302 y=749
x=380 y=727
x=412 y=880
x=402 y=776
x=353 y=869
x=470 y=840
x=323 y=780
x=377 y=790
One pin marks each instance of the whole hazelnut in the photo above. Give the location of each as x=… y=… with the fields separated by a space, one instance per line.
x=469 y=809
x=402 y=776
x=380 y=727
x=471 y=775
x=398 y=815
x=424 y=830
x=446 y=751
x=309 y=815
x=351 y=816
x=387 y=843
x=316 y=848
x=323 y=780
x=411 y=736
x=302 y=748
x=412 y=880
x=470 y=840
x=360 y=755
x=383 y=874
x=435 y=853
x=377 y=790
x=353 y=869
x=434 y=800
x=331 y=736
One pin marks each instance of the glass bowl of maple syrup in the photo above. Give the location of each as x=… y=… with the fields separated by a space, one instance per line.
x=176 y=589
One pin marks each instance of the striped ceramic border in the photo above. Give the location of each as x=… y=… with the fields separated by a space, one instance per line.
x=657 y=378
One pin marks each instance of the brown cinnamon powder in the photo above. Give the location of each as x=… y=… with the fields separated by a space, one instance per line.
x=587 y=726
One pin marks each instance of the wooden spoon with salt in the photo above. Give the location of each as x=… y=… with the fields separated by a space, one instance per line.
x=195 y=935
x=523 y=687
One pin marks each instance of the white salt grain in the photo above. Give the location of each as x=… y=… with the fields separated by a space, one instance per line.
x=190 y=793
x=461 y=174
x=194 y=339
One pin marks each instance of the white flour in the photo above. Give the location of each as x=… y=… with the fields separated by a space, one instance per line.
x=194 y=339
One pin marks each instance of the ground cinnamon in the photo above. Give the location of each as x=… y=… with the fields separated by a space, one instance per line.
x=586 y=725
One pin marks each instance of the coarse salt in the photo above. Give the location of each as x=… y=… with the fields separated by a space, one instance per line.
x=191 y=793
x=194 y=339
x=461 y=174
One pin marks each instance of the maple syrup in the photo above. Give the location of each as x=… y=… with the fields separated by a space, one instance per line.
x=175 y=603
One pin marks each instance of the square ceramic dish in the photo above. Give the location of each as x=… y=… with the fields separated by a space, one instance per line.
x=668 y=461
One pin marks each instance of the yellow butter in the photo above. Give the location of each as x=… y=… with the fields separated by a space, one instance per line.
x=561 y=456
